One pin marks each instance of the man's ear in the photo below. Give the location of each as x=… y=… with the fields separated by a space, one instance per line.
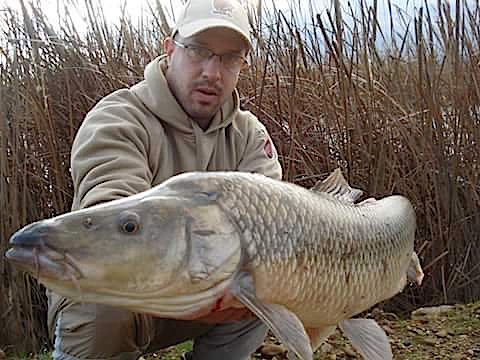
x=168 y=46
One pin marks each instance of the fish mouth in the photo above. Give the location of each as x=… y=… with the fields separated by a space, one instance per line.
x=32 y=254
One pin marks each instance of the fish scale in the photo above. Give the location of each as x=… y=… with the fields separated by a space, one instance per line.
x=322 y=236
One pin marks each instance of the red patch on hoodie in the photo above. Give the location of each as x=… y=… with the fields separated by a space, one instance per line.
x=268 y=148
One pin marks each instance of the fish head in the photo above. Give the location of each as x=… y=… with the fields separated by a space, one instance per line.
x=131 y=251
x=110 y=245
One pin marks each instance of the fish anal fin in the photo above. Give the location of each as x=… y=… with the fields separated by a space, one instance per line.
x=284 y=324
x=336 y=185
x=368 y=338
x=319 y=335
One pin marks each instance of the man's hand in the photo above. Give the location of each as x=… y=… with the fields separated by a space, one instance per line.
x=227 y=309
x=227 y=315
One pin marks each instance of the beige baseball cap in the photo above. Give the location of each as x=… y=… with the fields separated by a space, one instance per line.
x=200 y=15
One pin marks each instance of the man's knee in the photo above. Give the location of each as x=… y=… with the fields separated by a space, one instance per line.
x=91 y=331
x=234 y=341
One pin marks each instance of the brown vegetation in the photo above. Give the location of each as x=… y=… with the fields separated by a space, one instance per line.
x=398 y=118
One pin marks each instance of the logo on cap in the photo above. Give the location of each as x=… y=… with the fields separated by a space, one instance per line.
x=224 y=7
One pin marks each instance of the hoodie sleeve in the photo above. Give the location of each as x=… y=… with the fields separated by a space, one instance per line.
x=109 y=158
x=260 y=155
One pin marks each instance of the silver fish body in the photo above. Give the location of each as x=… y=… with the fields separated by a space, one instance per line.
x=325 y=263
x=304 y=261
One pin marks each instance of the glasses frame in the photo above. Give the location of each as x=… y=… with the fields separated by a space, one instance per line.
x=211 y=54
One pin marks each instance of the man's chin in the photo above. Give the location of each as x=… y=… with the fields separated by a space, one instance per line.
x=203 y=113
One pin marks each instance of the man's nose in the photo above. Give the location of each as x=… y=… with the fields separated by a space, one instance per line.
x=212 y=68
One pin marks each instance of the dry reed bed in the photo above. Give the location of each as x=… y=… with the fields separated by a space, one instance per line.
x=402 y=118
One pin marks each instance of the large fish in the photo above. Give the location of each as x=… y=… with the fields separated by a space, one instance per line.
x=303 y=261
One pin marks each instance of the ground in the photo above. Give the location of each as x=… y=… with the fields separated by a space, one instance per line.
x=447 y=332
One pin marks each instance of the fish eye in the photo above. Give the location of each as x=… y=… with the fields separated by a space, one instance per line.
x=130 y=226
x=129 y=222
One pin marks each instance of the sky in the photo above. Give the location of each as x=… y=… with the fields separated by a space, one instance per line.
x=135 y=8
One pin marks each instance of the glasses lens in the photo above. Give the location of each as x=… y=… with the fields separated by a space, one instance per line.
x=233 y=62
x=198 y=53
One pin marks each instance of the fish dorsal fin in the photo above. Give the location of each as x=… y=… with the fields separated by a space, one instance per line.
x=285 y=325
x=368 y=338
x=336 y=185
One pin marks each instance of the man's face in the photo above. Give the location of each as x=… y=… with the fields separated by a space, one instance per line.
x=201 y=87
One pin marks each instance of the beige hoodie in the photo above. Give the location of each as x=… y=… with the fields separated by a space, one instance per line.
x=136 y=138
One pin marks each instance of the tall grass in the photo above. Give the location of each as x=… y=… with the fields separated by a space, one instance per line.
x=397 y=108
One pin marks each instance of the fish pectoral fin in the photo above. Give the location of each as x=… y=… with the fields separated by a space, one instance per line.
x=368 y=338
x=319 y=335
x=285 y=325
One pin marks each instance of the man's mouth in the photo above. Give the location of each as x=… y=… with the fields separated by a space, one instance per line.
x=208 y=91
x=207 y=94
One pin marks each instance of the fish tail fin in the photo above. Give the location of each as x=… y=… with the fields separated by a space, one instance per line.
x=415 y=272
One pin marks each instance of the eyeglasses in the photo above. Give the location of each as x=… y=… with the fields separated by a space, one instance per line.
x=230 y=61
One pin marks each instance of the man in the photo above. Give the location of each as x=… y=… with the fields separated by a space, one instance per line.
x=184 y=116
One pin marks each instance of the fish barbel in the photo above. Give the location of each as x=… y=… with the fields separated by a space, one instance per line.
x=304 y=261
